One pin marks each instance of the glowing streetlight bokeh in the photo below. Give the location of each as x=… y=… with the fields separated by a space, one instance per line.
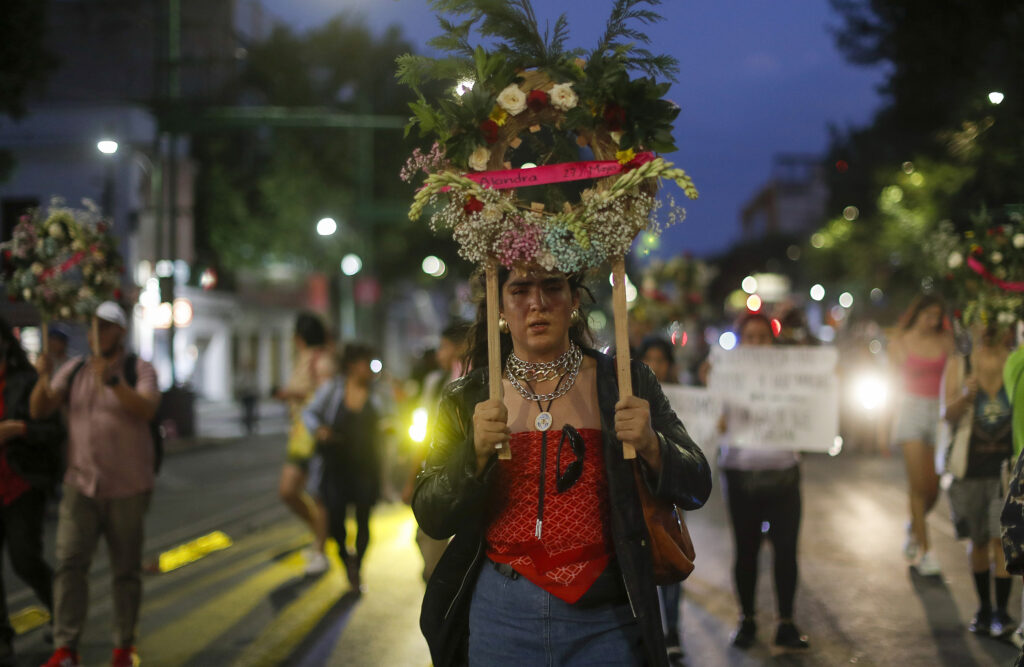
x=351 y=264
x=107 y=146
x=995 y=97
x=817 y=292
x=326 y=226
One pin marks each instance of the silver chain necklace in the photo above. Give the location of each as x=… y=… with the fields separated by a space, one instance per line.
x=568 y=365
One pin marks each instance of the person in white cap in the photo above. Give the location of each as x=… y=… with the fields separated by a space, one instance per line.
x=111 y=398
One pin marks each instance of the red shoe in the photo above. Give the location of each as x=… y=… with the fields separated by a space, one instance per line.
x=125 y=657
x=63 y=657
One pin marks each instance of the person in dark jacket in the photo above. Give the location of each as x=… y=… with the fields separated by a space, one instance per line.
x=29 y=466
x=550 y=561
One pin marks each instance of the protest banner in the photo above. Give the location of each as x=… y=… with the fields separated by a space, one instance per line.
x=699 y=410
x=778 y=397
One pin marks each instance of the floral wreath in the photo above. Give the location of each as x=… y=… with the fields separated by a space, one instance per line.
x=63 y=261
x=530 y=102
x=986 y=265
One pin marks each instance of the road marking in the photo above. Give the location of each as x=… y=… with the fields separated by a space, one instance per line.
x=178 y=642
x=28 y=619
x=190 y=552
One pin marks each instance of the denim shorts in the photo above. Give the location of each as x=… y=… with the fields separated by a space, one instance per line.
x=515 y=622
x=918 y=419
x=976 y=503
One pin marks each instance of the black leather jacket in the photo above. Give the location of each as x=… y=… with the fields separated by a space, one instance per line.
x=450 y=499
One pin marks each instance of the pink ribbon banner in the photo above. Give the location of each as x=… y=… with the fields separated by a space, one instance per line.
x=980 y=269
x=504 y=179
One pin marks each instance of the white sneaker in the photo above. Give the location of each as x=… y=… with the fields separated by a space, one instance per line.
x=928 y=565
x=317 y=564
x=910 y=547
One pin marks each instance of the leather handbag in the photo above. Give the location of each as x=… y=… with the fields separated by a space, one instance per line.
x=671 y=547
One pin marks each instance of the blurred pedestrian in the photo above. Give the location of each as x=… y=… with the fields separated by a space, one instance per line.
x=762 y=487
x=344 y=417
x=978 y=408
x=1012 y=518
x=57 y=344
x=248 y=394
x=919 y=352
x=659 y=356
x=109 y=479
x=312 y=367
x=549 y=563
x=449 y=355
x=29 y=466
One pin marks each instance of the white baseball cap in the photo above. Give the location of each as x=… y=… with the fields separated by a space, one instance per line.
x=113 y=313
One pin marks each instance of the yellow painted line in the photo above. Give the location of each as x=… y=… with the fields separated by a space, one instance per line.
x=390 y=527
x=293 y=623
x=393 y=576
x=161 y=600
x=28 y=619
x=178 y=642
x=190 y=552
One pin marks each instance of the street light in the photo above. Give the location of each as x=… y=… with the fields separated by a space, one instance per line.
x=817 y=292
x=351 y=264
x=326 y=226
x=995 y=97
x=434 y=266
x=106 y=146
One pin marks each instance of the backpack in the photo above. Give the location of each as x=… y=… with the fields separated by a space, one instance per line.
x=131 y=377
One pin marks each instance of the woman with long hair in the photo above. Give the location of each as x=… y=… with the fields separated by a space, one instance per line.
x=979 y=412
x=29 y=467
x=918 y=353
x=313 y=366
x=344 y=418
x=550 y=562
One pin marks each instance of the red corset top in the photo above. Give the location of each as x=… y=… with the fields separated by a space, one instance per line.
x=574 y=545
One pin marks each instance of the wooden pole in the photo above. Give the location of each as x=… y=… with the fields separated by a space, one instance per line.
x=494 y=342
x=621 y=315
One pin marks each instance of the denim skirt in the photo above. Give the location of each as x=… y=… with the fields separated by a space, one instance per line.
x=515 y=622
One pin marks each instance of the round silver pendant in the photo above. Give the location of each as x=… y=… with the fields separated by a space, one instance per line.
x=543 y=421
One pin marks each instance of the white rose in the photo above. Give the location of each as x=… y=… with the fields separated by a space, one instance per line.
x=37 y=269
x=26 y=294
x=547 y=260
x=563 y=97
x=512 y=100
x=1018 y=240
x=479 y=159
x=491 y=214
x=996 y=257
x=955 y=260
x=56 y=231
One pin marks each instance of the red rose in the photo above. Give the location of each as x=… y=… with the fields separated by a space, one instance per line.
x=614 y=117
x=638 y=161
x=473 y=205
x=537 y=100
x=490 y=131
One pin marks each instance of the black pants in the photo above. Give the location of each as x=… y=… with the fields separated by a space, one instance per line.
x=21 y=527
x=755 y=497
x=337 y=501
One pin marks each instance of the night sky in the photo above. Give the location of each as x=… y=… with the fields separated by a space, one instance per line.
x=758 y=77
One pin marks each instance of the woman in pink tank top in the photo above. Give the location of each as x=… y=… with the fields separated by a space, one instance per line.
x=919 y=352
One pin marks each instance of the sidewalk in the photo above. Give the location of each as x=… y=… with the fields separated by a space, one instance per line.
x=220 y=421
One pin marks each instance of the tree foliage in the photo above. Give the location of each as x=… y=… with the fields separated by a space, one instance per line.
x=261 y=191
x=937 y=138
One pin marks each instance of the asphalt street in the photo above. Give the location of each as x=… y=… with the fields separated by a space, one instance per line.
x=250 y=604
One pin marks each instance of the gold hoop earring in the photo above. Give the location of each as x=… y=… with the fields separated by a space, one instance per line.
x=503 y=325
x=575 y=318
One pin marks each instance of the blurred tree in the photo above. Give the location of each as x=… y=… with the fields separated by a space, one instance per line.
x=261 y=191
x=939 y=149
x=25 y=60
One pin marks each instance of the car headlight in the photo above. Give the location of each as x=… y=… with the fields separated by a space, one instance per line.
x=870 y=391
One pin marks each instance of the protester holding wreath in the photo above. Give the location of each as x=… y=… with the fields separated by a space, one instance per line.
x=551 y=542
